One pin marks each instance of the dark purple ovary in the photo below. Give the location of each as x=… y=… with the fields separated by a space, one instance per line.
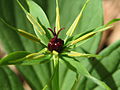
x=55 y=43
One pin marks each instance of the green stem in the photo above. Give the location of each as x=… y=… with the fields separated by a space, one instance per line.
x=55 y=82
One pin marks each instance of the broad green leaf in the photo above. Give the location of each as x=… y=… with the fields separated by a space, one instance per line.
x=28 y=35
x=8 y=38
x=106 y=68
x=115 y=77
x=80 y=69
x=68 y=81
x=24 y=58
x=22 y=32
x=57 y=16
x=75 y=23
x=35 y=78
x=13 y=56
x=66 y=75
x=9 y=80
x=23 y=23
x=39 y=30
x=35 y=24
x=35 y=72
x=37 y=75
x=39 y=15
x=107 y=51
x=11 y=41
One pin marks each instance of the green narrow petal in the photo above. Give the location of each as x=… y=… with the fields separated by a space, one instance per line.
x=98 y=82
x=75 y=23
x=80 y=39
x=28 y=35
x=76 y=54
x=112 y=21
x=22 y=32
x=24 y=58
x=89 y=35
x=15 y=56
x=38 y=13
x=38 y=28
x=35 y=24
x=57 y=17
x=38 y=54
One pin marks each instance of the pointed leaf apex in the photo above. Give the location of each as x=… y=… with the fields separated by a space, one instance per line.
x=76 y=21
x=57 y=16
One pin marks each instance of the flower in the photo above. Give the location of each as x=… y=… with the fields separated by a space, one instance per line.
x=55 y=49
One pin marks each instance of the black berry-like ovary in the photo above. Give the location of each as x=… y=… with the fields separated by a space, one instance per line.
x=55 y=43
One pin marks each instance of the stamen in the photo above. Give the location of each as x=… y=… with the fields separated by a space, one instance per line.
x=60 y=30
x=52 y=31
x=55 y=30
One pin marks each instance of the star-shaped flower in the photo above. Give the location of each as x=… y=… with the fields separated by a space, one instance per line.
x=55 y=50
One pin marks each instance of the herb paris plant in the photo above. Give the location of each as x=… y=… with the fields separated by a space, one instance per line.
x=55 y=50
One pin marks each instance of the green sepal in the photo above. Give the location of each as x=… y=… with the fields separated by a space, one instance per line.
x=77 y=54
x=37 y=60
x=90 y=33
x=75 y=23
x=57 y=16
x=18 y=55
x=38 y=28
x=87 y=36
x=25 y=58
x=77 y=67
x=112 y=21
x=22 y=32
x=39 y=15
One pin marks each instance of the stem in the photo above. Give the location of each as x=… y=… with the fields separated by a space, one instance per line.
x=54 y=34
x=55 y=82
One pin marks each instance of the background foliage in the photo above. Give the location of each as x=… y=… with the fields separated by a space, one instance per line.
x=106 y=69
